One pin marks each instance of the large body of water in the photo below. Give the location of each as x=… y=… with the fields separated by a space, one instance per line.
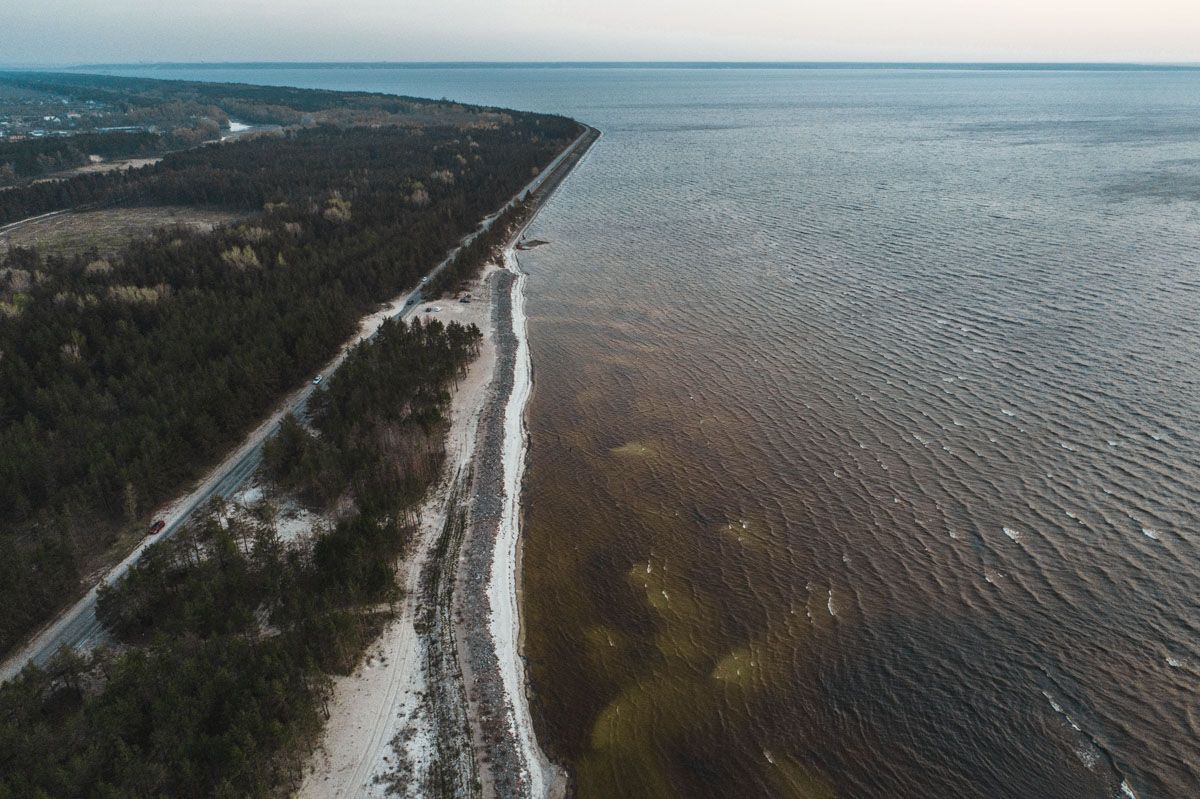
x=866 y=434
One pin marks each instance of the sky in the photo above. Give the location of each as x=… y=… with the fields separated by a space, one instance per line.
x=46 y=32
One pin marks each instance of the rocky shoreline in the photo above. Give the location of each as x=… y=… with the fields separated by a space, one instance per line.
x=490 y=708
x=501 y=759
x=431 y=713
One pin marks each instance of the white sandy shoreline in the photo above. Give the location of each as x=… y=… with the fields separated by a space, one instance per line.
x=383 y=699
x=543 y=778
x=537 y=777
x=502 y=588
x=390 y=732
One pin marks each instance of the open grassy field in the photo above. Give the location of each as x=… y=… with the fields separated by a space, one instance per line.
x=115 y=165
x=106 y=229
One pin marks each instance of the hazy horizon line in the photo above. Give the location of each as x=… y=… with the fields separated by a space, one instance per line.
x=640 y=64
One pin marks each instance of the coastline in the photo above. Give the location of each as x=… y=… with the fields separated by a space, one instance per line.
x=439 y=706
x=384 y=725
x=489 y=637
x=546 y=779
x=536 y=776
x=509 y=758
x=76 y=625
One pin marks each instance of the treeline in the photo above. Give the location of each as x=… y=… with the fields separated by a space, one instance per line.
x=31 y=158
x=469 y=261
x=122 y=94
x=378 y=398
x=122 y=378
x=229 y=634
x=169 y=103
x=307 y=162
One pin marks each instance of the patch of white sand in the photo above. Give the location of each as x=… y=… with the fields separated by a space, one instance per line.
x=502 y=588
x=383 y=697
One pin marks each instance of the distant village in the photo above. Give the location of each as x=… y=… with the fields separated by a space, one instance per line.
x=27 y=115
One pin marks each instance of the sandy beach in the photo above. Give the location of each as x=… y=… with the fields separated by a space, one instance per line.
x=439 y=705
x=399 y=720
x=510 y=762
x=382 y=731
x=544 y=779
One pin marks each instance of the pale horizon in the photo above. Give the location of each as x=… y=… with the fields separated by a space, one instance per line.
x=599 y=64
x=71 y=32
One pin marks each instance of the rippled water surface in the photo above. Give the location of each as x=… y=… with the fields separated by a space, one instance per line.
x=864 y=437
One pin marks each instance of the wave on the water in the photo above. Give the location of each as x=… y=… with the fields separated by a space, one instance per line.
x=1089 y=750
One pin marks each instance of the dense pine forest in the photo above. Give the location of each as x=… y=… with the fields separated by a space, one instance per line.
x=226 y=635
x=34 y=157
x=123 y=377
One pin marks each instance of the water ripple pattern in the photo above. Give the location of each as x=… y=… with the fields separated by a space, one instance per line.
x=864 y=437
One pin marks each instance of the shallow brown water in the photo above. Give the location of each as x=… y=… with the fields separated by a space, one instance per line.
x=864 y=438
x=863 y=445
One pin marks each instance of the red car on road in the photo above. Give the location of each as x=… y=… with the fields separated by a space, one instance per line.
x=156 y=527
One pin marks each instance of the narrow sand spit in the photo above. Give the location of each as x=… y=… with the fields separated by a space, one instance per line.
x=509 y=761
x=486 y=607
x=502 y=589
x=380 y=731
x=440 y=707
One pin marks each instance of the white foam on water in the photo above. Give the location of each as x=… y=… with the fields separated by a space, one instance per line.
x=829 y=604
x=1150 y=532
x=1088 y=756
x=1057 y=707
x=1007 y=412
x=1015 y=535
x=1088 y=750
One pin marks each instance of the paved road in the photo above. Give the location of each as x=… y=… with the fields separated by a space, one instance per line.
x=27 y=220
x=78 y=627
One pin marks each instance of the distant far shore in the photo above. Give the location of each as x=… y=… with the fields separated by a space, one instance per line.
x=1024 y=66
